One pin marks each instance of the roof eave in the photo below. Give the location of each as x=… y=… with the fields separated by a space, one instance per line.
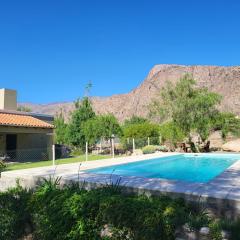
x=24 y=126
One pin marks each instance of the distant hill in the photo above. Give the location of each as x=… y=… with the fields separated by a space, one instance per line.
x=223 y=80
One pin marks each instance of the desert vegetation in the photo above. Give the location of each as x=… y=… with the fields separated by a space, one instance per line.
x=184 y=109
x=71 y=212
x=180 y=111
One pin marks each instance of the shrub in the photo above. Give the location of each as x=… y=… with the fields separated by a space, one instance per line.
x=2 y=166
x=77 y=152
x=14 y=214
x=215 y=230
x=231 y=226
x=198 y=216
x=162 y=148
x=171 y=133
x=149 y=149
x=50 y=219
x=152 y=149
x=198 y=220
x=135 y=120
x=140 y=132
x=74 y=213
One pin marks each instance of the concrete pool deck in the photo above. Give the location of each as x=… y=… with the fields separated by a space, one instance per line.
x=222 y=194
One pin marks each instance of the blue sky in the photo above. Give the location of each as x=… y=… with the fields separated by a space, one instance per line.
x=49 y=49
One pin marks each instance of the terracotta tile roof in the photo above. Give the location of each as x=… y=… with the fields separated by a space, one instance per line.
x=15 y=120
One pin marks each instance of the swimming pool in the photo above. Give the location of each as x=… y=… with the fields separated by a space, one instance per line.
x=185 y=167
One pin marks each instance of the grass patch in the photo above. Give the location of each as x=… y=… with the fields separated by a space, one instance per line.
x=19 y=166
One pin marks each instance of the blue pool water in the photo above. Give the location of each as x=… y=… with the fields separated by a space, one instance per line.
x=185 y=167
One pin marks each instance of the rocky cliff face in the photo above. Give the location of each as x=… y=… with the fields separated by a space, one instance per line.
x=223 y=80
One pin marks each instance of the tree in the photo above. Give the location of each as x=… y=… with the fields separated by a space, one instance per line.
x=103 y=126
x=135 y=120
x=190 y=108
x=171 y=133
x=204 y=108
x=82 y=113
x=227 y=123
x=92 y=131
x=60 y=129
x=141 y=132
x=109 y=126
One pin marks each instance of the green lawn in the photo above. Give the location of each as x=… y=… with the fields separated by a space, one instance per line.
x=17 y=166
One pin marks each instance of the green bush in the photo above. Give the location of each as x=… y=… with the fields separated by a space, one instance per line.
x=79 y=214
x=231 y=226
x=171 y=133
x=72 y=213
x=14 y=214
x=162 y=148
x=152 y=149
x=77 y=152
x=2 y=166
x=215 y=230
x=198 y=216
x=149 y=149
x=140 y=132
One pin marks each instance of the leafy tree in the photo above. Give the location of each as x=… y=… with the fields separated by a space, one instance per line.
x=24 y=109
x=227 y=123
x=92 y=130
x=171 y=133
x=109 y=126
x=140 y=132
x=60 y=129
x=103 y=126
x=205 y=111
x=190 y=108
x=135 y=120
x=82 y=113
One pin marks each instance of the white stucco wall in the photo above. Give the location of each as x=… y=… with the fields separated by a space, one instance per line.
x=8 y=99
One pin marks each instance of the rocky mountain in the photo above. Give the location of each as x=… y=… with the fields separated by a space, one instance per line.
x=223 y=80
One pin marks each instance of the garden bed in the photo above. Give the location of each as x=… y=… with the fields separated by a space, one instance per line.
x=71 y=212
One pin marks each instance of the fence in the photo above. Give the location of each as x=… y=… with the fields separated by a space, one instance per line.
x=26 y=155
x=111 y=148
x=119 y=147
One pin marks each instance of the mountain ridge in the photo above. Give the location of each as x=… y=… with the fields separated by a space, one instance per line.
x=224 y=80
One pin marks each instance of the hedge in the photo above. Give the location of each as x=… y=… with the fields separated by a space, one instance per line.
x=51 y=212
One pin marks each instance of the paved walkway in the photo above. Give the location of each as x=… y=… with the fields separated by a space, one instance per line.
x=67 y=171
x=222 y=193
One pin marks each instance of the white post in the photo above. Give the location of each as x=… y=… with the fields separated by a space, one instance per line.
x=100 y=145
x=53 y=154
x=86 y=151
x=133 y=145
x=148 y=141
x=113 y=150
